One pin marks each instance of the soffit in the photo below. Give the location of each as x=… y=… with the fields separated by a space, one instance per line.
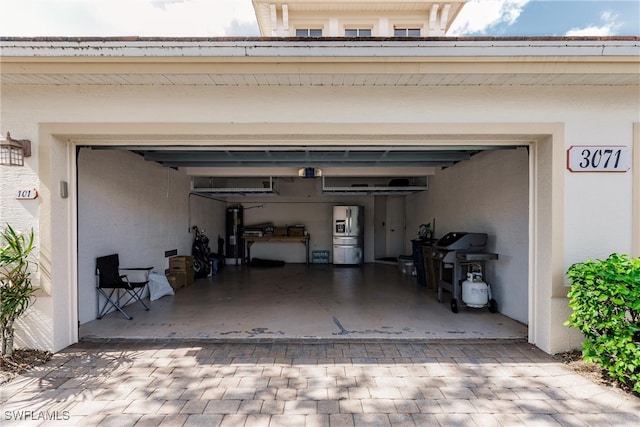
x=335 y=62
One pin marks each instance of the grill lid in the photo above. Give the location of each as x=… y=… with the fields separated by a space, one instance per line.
x=460 y=241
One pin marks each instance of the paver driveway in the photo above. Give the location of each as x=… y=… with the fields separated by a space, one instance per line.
x=339 y=383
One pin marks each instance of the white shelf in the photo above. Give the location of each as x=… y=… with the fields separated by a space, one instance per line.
x=330 y=186
x=375 y=189
x=236 y=191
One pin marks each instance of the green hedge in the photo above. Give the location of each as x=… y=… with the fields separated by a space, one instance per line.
x=605 y=298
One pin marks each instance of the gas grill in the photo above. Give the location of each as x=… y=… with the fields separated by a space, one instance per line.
x=460 y=253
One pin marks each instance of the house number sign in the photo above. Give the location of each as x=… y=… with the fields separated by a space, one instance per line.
x=598 y=158
x=28 y=194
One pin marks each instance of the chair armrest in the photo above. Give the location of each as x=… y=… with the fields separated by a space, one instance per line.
x=136 y=274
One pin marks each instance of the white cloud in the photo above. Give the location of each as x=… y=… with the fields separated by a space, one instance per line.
x=609 y=26
x=478 y=16
x=169 y=18
x=589 y=31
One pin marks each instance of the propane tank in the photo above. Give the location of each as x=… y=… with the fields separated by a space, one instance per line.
x=475 y=291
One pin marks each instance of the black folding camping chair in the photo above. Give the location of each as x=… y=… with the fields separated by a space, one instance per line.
x=119 y=289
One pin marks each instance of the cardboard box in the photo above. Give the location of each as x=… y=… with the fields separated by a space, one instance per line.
x=295 y=231
x=279 y=231
x=180 y=279
x=180 y=263
x=188 y=277
x=173 y=281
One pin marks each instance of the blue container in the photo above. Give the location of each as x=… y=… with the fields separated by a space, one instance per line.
x=320 y=257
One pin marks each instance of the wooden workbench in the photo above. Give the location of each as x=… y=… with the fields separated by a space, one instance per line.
x=277 y=239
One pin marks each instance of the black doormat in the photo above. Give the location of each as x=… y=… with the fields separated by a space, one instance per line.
x=388 y=259
x=266 y=263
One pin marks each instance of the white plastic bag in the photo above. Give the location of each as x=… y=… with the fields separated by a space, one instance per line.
x=159 y=286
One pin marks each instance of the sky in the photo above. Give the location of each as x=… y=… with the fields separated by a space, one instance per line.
x=214 y=18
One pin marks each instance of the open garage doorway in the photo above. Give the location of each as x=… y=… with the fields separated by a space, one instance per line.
x=145 y=210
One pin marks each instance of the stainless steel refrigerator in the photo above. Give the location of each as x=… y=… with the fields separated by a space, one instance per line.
x=348 y=234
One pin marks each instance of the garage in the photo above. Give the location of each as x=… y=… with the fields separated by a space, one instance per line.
x=106 y=117
x=143 y=193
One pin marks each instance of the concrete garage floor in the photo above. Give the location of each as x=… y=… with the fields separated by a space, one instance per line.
x=296 y=301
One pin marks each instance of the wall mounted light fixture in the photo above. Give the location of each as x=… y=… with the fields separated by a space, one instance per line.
x=13 y=151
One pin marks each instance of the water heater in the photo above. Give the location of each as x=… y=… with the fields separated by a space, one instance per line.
x=234 y=245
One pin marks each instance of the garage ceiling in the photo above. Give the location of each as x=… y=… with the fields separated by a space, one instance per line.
x=230 y=162
x=360 y=157
x=222 y=166
x=253 y=157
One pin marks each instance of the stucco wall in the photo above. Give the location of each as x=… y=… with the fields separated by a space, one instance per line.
x=488 y=194
x=598 y=205
x=136 y=209
x=598 y=210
